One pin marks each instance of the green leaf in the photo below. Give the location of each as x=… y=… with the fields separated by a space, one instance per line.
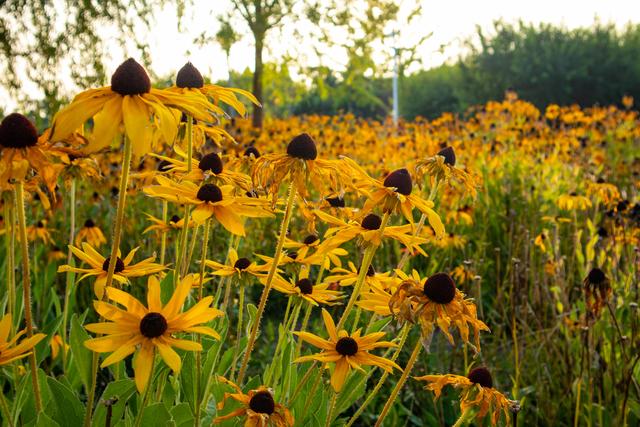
x=155 y=415
x=67 y=408
x=82 y=356
x=182 y=415
x=116 y=394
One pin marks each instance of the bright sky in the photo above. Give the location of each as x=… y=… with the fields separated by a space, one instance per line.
x=450 y=21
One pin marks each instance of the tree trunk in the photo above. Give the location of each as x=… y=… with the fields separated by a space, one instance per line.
x=257 y=81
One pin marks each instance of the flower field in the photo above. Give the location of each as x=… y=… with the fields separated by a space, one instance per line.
x=164 y=263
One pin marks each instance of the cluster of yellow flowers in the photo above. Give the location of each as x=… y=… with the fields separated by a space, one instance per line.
x=350 y=185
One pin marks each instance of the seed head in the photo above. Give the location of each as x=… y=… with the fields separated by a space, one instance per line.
x=371 y=222
x=130 y=78
x=347 y=346
x=17 y=131
x=262 y=402
x=211 y=162
x=401 y=180
x=481 y=376
x=449 y=155
x=153 y=325
x=303 y=147
x=440 y=288
x=189 y=77
x=209 y=193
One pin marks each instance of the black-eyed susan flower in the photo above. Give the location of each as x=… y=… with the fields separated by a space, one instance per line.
x=258 y=406
x=573 y=201
x=130 y=106
x=435 y=302
x=443 y=168
x=158 y=225
x=300 y=165
x=346 y=351
x=10 y=349
x=367 y=230
x=141 y=329
x=39 y=231
x=477 y=392
x=210 y=200
x=209 y=167
x=21 y=150
x=237 y=266
x=99 y=265
x=395 y=194
x=306 y=289
x=57 y=346
x=91 y=234
x=349 y=276
x=597 y=290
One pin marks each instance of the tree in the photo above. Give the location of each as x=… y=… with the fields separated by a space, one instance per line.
x=226 y=38
x=261 y=16
x=44 y=42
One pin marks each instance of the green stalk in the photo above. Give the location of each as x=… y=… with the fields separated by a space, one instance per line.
x=117 y=232
x=362 y=273
x=236 y=350
x=205 y=244
x=332 y=407
x=400 y=383
x=6 y=412
x=26 y=288
x=267 y=287
x=370 y=396
x=9 y=252
x=180 y=259
x=163 y=235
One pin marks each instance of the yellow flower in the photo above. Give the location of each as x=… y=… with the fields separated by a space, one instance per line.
x=143 y=330
x=259 y=406
x=306 y=289
x=443 y=167
x=346 y=351
x=237 y=266
x=209 y=166
x=300 y=165
x=22 y=150
x=368 y=231
x=39 y=231
x=130 y=106
x=99 y=266
x=57 y=345
x=210 y=200
x=477 y=391
x=570 y=202
x=10 y=349
x=175 y=223
x=435 y=302
x=91 y=234
x=347 y=277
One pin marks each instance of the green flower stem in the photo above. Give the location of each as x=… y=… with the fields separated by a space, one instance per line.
x=163 y=234
x=302 y=382
x=236 y=349
x=182 y=249
x=26 y=287
x=303 y=327
x=117 y=234
x=267 y=287
x=189 y=132
x=332 y=407
x=465 y=418
x=9 y=240
x=226 y=281
x=400 y=383
x=362 y=273
x=403 y=339
x=192 y=247
x=205 y=244
x=6 y=412
x=70 y=275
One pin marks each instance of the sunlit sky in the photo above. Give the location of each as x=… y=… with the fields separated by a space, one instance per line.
x=450 y=21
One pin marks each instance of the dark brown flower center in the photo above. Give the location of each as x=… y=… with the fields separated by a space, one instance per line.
x=165 y=166
x=174 y=219
x=211 y=162
x=262 y=402
x=17 y=131
x=303 y=147
x=209 y=193
x=305 y=285
x=153 y=325
x=371 y=222
x=347 y=346
x=292 y=255
x=481 y=376
x=89 y=223
x=401 y=180
x=252 y=151
x=119 y=265
x=336 y=202
x=440 y=288
x=130 y=78
x=189 y=76
x=40 y=224
x=449 y=155
x=310 y=239
x=596 y=276
x=242 y=264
